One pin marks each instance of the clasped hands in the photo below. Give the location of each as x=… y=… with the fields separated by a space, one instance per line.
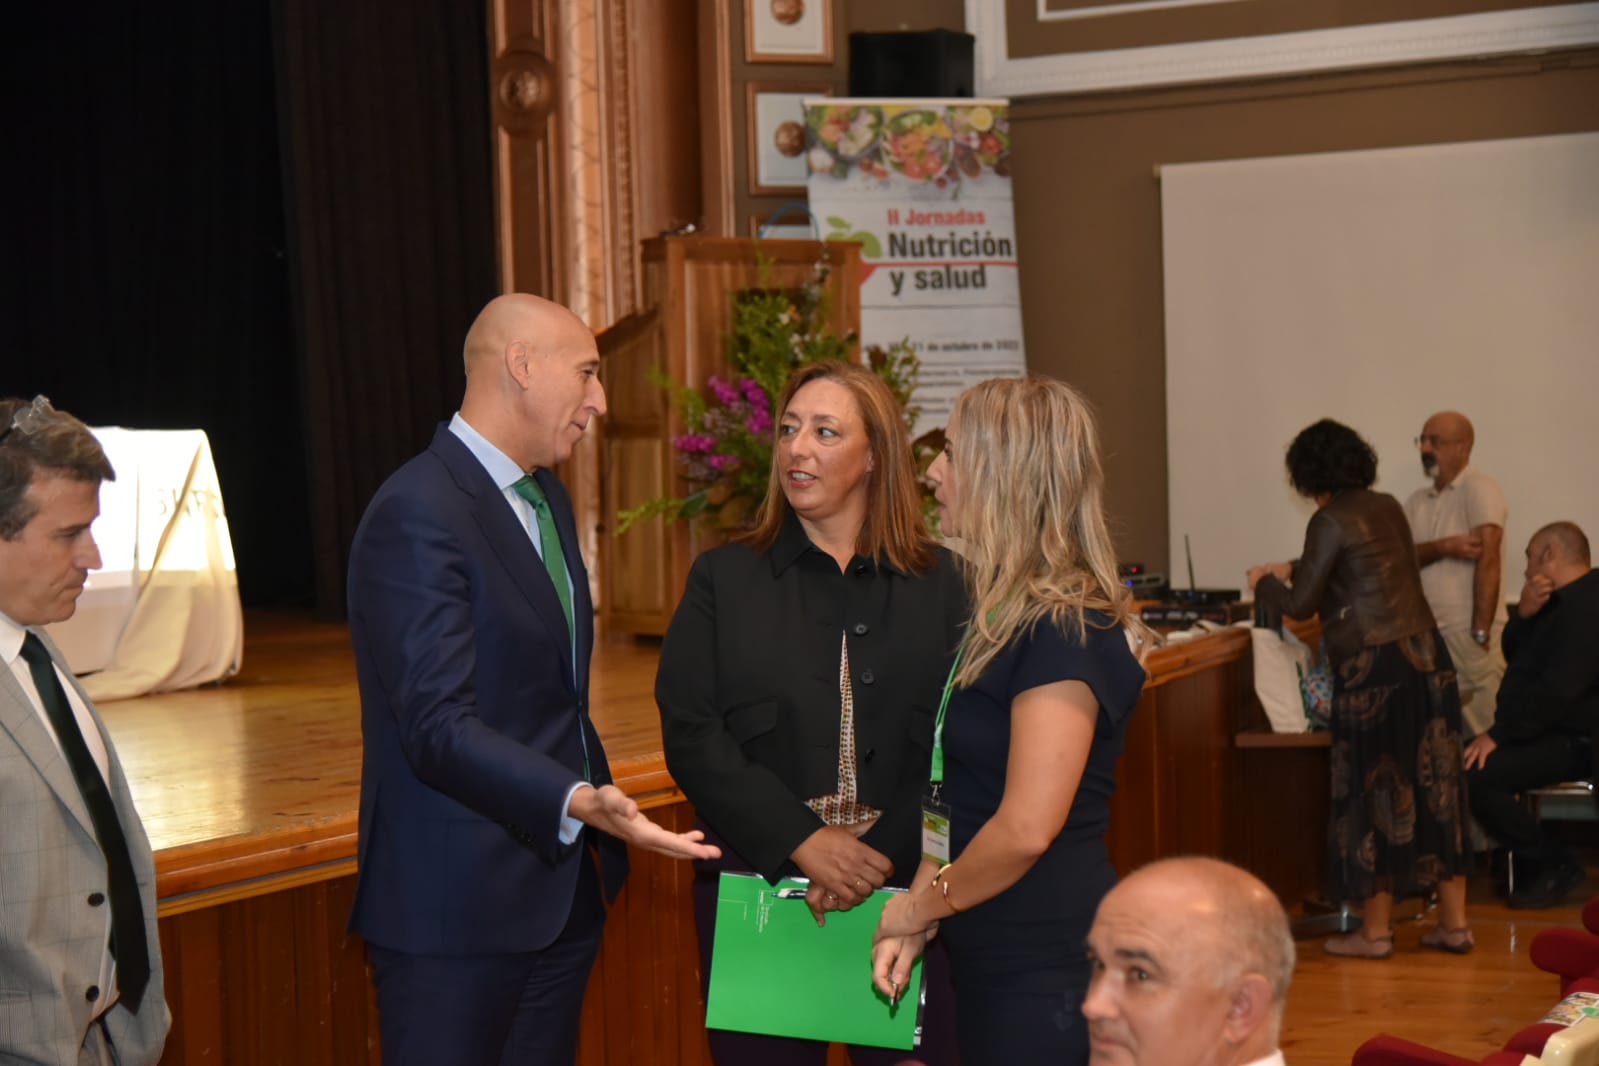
x=842 y=870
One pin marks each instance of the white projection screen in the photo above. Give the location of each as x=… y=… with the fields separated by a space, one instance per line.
x=1376 y=287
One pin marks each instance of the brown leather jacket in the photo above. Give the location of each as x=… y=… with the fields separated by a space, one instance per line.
x=1359 y=572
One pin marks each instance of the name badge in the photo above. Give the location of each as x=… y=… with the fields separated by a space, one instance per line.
x=935 y=830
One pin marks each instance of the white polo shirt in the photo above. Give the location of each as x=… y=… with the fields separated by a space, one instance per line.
x=1472 y=499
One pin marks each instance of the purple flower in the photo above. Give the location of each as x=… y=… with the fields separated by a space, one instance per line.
x=755 y=394
x=723 y=463
x=759 y=423
x=725 y=394
x=693 y=443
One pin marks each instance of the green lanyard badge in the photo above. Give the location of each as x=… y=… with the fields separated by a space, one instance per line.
x=936 y=775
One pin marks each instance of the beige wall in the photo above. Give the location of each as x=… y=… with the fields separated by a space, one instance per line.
x=1088 y=215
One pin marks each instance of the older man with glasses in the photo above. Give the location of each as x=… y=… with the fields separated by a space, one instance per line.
x=1458 y=523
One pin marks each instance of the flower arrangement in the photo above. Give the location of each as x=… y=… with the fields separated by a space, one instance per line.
x=725 y=453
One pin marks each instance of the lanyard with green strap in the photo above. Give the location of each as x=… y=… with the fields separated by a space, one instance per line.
x=936 y=775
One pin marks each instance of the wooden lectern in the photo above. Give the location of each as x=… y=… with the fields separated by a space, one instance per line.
x=690 y=286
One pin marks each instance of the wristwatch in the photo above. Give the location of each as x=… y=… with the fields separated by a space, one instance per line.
x=1480 y=636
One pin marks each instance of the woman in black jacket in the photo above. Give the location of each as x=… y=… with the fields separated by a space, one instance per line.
x=1398 y=795
x=800 y=675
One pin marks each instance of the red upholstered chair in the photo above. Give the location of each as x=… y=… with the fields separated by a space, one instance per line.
x=1570 y=954
x=1530 y=1041
x=1392 y=1051
x=1590 y=915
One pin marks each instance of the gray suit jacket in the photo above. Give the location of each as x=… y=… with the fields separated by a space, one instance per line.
x=51 y=938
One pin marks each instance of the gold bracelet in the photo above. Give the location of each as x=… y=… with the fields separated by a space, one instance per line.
x=938 y=879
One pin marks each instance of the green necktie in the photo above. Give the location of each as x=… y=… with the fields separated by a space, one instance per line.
x=550 y=545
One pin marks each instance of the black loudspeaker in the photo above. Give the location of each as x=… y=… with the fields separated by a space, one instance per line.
x=924 y=63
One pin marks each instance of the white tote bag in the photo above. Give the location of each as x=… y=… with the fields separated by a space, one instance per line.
x=1280 y=660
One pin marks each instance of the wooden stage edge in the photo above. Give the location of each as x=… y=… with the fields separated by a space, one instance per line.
x=252 y=785
x=249 y=792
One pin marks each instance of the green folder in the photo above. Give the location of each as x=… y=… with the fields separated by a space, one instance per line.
x=774 y=971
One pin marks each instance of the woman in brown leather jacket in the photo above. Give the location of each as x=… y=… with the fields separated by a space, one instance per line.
x=1397 y=824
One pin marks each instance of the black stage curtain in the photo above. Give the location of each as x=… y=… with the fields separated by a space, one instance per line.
x=271 y=219
x=145 y=280
x=388 y=173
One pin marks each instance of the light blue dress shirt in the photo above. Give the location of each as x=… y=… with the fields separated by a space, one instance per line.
x=505 y=472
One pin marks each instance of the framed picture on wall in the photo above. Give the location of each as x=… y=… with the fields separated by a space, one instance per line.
x=788 y=31
x=792 y=226
x=774 y=134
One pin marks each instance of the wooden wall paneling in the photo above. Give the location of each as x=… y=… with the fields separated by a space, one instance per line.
x=667 y=153
x=524 y=96
x=1281 y=802
x=1195 y=758
x=691 y=284
x=644 y=1006
x=1134 y=835
x=269 y=979
x=718 y=149
x=311 y=966
x=191 y=955
x=637 y=466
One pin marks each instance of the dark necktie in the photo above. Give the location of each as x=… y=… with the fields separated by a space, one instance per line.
x=555 y=563
x=128 y=942
x=549 y=544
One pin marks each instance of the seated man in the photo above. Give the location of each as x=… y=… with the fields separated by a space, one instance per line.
x=1546 y=713
x=1192 y=959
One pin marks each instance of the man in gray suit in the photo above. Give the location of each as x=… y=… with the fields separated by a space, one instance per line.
x=80 y=959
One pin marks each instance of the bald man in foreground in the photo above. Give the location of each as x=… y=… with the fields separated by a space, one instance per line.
x=1192 y=959
x=491 y=836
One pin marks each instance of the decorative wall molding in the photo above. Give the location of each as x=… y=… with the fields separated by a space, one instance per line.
x=1494 y=33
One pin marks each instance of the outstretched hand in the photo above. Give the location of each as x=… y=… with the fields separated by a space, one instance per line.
x=610 y=810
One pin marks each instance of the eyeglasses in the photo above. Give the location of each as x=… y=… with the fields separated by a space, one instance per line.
x=30 y=419
x=1434 y=440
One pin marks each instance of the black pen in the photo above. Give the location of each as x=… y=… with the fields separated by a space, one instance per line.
x=789 y=893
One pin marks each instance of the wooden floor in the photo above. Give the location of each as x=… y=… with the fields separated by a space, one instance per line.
x=1468 y=1005
x=273 y=756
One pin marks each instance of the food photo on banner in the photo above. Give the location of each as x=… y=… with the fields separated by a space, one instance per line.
x=924 y=186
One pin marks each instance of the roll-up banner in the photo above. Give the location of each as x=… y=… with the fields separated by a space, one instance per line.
x=924 y=186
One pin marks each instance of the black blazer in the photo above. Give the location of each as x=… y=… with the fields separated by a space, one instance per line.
x=749 y=695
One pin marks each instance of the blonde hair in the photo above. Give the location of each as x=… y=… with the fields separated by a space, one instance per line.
x=1027 y=468
x=894 y=529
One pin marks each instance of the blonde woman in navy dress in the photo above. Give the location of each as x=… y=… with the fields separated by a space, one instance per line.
x=1034 y=722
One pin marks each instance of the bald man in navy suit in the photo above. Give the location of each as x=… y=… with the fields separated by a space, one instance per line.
x=491 y=834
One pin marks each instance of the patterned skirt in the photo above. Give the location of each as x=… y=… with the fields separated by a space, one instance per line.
x=1398 y=817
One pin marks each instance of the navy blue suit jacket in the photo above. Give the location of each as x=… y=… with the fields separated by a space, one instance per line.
x=471 y=714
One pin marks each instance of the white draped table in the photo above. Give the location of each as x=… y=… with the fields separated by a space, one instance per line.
x=163 y=610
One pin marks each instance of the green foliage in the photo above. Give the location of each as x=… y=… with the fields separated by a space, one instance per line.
x=726 y=453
